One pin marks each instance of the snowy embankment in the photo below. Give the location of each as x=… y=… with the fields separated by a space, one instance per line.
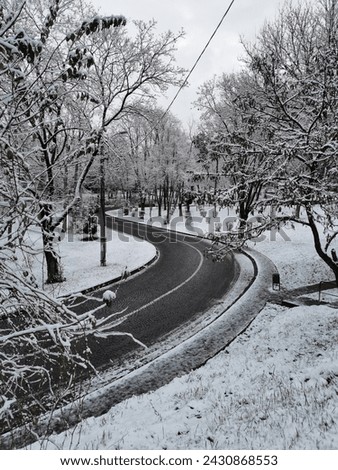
x=274 y=387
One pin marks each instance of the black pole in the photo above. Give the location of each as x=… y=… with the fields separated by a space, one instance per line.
x=103 y=238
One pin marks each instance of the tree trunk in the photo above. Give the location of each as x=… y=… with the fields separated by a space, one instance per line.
x=243 y=217
x=54 y=269
x=318 y=247
x=216 y=176
x=297 y=211
x=180 y=209
x=159 y=200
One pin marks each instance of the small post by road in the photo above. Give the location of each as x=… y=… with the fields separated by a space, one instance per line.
x=275 y=281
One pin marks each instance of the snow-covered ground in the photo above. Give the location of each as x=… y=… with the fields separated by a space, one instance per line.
x=274 y=387
x=81 y=260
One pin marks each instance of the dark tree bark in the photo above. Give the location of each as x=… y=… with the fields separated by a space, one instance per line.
x=54 y=269
x=318 y=246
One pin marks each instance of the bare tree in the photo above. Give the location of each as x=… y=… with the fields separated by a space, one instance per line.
x=40 y=82
x=43 y=73
x=72 y=90
x=294 y=64
x=236 y=140
x=276 y=124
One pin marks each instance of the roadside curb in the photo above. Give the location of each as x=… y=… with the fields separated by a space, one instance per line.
x=115 y=280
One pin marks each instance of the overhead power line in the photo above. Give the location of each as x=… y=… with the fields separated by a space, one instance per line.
x=188 y=75
x=199 y=58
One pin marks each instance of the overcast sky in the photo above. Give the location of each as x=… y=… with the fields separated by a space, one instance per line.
x=199 y=19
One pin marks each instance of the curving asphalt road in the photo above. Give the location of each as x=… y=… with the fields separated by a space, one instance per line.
x=186 y=284
x=179 y=286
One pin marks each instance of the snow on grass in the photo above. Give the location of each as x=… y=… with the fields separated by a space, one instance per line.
x=291 y=249
x=274 y=387
x=294 y=255
x=81 y=260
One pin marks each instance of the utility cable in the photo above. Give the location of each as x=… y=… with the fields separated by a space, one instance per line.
x=188 y=75
x=198 y=59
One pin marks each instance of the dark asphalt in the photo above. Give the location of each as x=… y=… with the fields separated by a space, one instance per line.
x=186 y=282
x=196 y=283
